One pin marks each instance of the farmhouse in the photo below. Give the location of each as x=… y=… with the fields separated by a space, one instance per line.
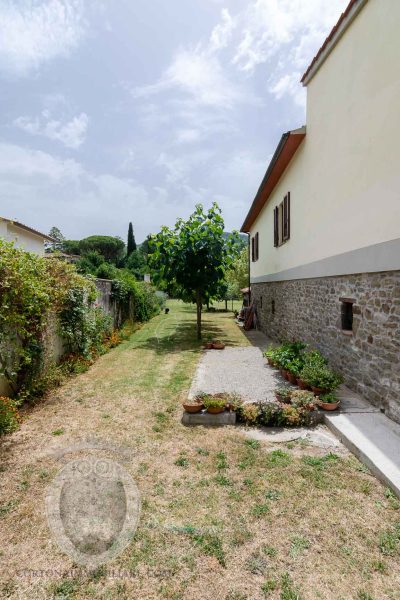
x=23 y=237
x=324 y=226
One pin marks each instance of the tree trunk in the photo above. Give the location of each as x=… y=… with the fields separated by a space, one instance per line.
x=226 y=304
x=198 y=306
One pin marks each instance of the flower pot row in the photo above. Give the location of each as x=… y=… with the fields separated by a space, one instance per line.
x=327 y=401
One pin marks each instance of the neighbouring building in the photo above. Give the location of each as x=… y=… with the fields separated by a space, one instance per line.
x=324 y=226
x=23 y=237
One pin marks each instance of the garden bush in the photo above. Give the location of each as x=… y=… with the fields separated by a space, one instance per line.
x=9 y=417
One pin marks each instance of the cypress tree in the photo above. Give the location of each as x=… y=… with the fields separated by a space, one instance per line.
x=131 y=247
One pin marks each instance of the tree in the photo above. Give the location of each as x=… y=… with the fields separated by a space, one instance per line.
x=136 y=263
x=131 y=246
x=58 y=244
x=193 y=257
x=111 y=248
x=238 y=275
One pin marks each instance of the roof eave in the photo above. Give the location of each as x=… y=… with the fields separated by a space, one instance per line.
x=275 y=170
x=344 y=22
x=44 y=236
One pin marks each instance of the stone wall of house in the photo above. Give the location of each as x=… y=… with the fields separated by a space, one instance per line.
x=310 y=310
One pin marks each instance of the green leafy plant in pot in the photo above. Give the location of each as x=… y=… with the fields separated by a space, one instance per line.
x=329 y=401
x=320 y=378
x=214 y=405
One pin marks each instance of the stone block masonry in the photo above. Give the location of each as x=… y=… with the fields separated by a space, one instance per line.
x=311 y=310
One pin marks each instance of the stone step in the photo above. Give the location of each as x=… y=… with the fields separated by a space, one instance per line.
x=373 y=438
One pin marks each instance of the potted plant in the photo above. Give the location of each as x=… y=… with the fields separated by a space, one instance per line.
x=208 y=345
x=283 y=394
x=195 y=405
x=270 y=356
x=218 y=345
x=329 y=401
x=302 y=399
x=214 y=405
x=320 y=378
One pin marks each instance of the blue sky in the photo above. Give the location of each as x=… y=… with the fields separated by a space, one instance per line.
x=135 y=110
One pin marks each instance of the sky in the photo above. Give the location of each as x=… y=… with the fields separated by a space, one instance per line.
x=136 y=110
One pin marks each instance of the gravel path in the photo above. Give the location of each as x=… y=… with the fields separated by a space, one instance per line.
x=241 y=370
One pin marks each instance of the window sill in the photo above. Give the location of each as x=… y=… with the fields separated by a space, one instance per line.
x=348 y=333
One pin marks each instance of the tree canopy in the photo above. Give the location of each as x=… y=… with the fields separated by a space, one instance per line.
x=192 y=259
x=110 y=248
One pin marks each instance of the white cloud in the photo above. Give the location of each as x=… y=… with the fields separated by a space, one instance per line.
x=26 y=163
x=42 y=190
x=269 y=25
x=185 y=136
x=199 y=74
x=222 y=33
x=178 y=168
x=289 y=85
x=72 y=133
x=36 y=32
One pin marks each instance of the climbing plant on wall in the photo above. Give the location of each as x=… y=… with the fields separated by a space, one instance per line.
x=31 y=288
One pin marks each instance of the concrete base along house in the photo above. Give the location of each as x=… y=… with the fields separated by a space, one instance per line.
x=325 y=223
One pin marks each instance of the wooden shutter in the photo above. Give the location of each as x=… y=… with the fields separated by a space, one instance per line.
x=257 y=247
x=276 y=235
x=252 y=249
x=286 y=218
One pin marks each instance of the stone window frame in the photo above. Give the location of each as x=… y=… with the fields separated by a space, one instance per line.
x=347 y=302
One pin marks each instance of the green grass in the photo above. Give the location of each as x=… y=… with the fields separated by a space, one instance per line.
x=247 y=518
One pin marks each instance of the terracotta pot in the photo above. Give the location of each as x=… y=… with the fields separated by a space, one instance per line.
x=215 y=410
x=281 y=400
x=329 y=405
x=208 y=346
x=318 y=391
x=292 y=379
x=302 y=384
x=285 y=374
x=193 y=408
x=218 y=345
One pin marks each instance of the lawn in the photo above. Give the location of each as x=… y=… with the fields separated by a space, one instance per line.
x=223 y=517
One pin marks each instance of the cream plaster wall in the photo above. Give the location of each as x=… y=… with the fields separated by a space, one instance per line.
x=345 y=178
x=22 y=238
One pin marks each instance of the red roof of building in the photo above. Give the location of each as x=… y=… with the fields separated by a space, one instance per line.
x=344 y=21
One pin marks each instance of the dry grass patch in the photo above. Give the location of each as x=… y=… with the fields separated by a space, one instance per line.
x=222 y=517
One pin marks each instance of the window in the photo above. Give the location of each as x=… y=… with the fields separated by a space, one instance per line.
x=282 y=221
x=255 y=247
x=273 y=307
x=347 y=314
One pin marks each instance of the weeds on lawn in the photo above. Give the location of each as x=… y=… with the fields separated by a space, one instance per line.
x=389 y=540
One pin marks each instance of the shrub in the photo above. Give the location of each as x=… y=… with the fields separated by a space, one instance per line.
x=9 y=417
x=250 y=413
x=213 y=402
x=287 y=355
x=320 y=376
x=284 y=393
x=302 y=399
